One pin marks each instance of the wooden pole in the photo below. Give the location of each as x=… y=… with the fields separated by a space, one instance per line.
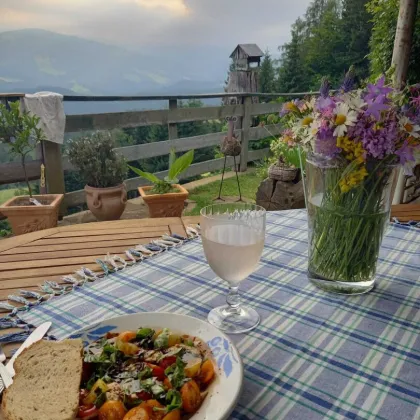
x=403 y=41
x=400 y=61
x=54 y=173
x=245 y=125
x=172 y=127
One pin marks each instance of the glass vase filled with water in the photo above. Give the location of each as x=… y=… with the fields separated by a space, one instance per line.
x=233 y=240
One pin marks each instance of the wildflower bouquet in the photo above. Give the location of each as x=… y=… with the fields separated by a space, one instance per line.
x=355 y=142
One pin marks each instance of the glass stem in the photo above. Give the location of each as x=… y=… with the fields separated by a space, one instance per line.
x=233 y=299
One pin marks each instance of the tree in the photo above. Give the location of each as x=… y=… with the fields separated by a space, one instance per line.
x=332 y=36
x=384 y=16
x=267 y=74
x=356 y=32
x=291 y=73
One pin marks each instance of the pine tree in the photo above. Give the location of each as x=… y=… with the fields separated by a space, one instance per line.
x=356 y=31
x=291 y=73
x=267 y=74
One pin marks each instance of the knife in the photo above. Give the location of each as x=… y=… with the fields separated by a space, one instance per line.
x=35 y=336
x=5 y=377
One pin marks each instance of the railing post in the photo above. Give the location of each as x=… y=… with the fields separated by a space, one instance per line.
x=172 y=127
x=54 y=174
x=245 y=124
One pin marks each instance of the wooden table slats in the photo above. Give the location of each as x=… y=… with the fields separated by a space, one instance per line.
x=29 y=260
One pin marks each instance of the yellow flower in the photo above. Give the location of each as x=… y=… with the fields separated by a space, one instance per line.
x=307 y=121
x=290 y=106
x=352 y=179
x=354 y=151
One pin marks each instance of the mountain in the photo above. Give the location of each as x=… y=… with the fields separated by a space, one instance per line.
x=34 y=60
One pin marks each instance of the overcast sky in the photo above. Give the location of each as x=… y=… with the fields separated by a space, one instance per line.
x=147 y=23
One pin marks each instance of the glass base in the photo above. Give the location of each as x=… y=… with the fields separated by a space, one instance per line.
x=342 y=287
x=246 y=319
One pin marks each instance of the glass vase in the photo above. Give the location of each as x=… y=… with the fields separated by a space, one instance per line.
x=347 y=218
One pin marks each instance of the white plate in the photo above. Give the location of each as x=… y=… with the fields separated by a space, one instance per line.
x=225 y=389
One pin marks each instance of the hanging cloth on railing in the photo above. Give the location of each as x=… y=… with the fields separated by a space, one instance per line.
x=48 y=106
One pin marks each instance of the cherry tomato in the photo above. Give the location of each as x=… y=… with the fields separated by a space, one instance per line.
x=191 y=397
x=127 y=336
x=139 y=413
x=167 y=383
x=112 y=410
x=87 y=412
x=173 y=415
x=143 y=395
x=83 y=393
x=167 y=361
x=157 y=371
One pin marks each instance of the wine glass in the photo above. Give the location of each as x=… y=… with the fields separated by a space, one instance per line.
x=233 y=240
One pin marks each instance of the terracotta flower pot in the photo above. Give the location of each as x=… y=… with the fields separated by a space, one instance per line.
x=25 y=217
x=165 y=205
x=106 y=203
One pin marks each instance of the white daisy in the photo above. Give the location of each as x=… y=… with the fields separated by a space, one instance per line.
x=408 y=126
x=355 y=100
x=344 y=118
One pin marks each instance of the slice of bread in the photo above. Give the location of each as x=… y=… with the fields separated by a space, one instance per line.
x=47 y=381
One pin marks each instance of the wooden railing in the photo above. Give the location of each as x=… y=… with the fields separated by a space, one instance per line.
x=56 y=164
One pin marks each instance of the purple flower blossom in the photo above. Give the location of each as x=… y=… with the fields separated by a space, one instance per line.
x=415 y=101
x=348 y=81
x=379 y=142
x=325 y=105
x=376 y=106
x=325 y=88
x=377 y=89
x=326 y=143
x=405 y=153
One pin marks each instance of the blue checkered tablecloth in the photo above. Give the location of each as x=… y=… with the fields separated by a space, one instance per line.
x=315 y=355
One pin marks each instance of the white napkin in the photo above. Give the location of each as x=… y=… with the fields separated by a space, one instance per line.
x=48 y=106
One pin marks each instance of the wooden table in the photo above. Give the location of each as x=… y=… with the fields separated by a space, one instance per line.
x=27 y=261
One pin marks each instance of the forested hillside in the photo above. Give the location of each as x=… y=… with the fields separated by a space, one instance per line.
x=332 y=36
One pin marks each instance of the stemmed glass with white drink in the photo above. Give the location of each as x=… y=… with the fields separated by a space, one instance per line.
x=233 y=239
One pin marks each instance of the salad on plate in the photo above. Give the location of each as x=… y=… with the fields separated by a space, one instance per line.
x=145 y=375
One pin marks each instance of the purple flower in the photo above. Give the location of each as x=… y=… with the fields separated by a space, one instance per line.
x=326 y=143
x=415 y=101
x=325 y=105
x=348 y=81
x=379 y=142
x=376 y=106
x=405 y=153
x=377 y=89
x=325 y=88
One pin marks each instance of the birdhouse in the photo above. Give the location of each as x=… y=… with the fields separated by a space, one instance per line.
x=246 y=57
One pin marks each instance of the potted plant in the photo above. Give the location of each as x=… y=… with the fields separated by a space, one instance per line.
x=166 y=197
x=103 y=171
x=26 y=213
x=286 y=168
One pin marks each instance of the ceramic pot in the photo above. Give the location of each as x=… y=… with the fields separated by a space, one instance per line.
x=106 y=203
x=25 y=217
x=165 y=205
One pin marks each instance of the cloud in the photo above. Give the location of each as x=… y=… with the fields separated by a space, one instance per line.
x=177 y=6
x=149 y=24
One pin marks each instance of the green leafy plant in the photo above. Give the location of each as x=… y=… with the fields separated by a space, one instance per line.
x=289 y=155
x=97 y=161
x=176 y=167
x=19 y=130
